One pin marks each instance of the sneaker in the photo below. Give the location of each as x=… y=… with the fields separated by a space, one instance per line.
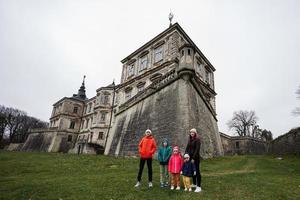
x=185 y=189
x=137 y=184
x=177 y=188
x=190 y=190
x=150 y=184
x=198 y=189
x=162 y=185
x=166 y=184
x=193 y=186
x=172 y=187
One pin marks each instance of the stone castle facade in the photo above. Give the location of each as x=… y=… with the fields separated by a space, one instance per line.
x=167 y=85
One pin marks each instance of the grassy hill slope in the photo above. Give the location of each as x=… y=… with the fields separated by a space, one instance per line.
x=64 y=176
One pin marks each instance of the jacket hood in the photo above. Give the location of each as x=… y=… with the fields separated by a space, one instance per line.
x=163 y=141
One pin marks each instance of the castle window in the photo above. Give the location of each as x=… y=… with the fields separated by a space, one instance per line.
x=72 y=125
x=143 y=62
x=237 y=145
x=75 y=109
x=106 y=99
x=199 y=68
x=127 y=95
x=141 y=86
x=117 y=98
x=82 y=123
x=103 y=116
x=182 y=52
x=87 y=123
x=158 y=54
x=206 y=76
x=100 y=136
x=91 y=136
x=130 y=70
x=69 y=138
x=189 y=52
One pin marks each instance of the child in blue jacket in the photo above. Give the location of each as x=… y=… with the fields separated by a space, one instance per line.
x=188 y=170
x=164 y=154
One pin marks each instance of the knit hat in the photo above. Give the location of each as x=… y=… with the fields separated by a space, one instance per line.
x=186 y=155
x=148 y=131
x=193 y=130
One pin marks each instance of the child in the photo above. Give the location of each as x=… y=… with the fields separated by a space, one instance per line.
x=188 y=170
x=164 y=154
x=147 y=148
x=175 y=164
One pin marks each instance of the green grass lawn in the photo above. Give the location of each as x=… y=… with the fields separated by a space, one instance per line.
x=64 y=176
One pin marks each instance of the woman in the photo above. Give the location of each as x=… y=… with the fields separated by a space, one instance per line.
x=193 y=149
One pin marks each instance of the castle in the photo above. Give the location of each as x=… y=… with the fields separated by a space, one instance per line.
x=167 y=85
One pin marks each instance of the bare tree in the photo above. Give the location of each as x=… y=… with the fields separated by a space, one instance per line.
x=296 y=111
x=242 y=122
x=14 y=120
x=15 y=124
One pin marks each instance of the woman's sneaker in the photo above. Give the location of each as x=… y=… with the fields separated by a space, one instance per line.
x=177 y=188
x=198 y=189
x=137 y=184
x=150 y=185
x=190 y=190
x=185 y=189
x=172 y=187
x=193 y=186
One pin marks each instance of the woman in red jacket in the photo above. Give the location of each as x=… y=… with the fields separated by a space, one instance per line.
x=147 y=148
x=175 y=164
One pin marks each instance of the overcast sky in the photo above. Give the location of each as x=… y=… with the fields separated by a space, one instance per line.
x=47 y=46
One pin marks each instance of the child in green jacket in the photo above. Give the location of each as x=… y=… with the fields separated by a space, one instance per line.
x=164 y=154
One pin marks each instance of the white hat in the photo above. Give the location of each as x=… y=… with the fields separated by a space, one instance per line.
x=193 y=130
x=148 y=131
x=186 y=155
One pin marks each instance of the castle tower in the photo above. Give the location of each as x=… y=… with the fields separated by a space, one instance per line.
x=186 y=62
x=175 y=96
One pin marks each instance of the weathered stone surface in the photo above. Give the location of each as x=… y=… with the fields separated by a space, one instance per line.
x=288 y=143
x=14 y=147
x=49 y=141
x=242 y=145
x=170 y=113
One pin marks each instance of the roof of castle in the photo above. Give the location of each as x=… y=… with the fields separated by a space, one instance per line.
x=173 y=27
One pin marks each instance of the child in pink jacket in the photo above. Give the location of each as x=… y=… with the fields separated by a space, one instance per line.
x=175 y=164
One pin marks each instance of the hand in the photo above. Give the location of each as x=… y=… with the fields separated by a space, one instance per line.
x=194 y=173
x=192 y=161
x=181 y=172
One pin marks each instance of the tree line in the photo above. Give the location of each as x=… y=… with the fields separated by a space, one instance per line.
x=244 y=123
x=15 y=124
